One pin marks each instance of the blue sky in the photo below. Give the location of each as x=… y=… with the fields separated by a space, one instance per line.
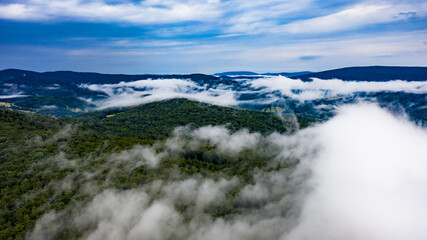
x=208 y=36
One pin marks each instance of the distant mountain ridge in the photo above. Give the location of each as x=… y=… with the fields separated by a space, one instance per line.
x=89 y=77
x=236 y=73
x=248 y=73
x=370 y=73
x=288 y=74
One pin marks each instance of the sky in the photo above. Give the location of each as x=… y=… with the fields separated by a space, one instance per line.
x=209 y=36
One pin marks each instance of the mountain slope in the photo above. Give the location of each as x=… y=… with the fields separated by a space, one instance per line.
x=372 y=73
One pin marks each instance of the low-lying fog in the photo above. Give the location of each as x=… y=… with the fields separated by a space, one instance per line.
x=265 y=90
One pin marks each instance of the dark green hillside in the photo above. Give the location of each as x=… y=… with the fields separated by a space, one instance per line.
x=157 y=120
x=19 y=152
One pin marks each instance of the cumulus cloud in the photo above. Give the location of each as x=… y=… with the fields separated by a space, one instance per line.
x=360 y=175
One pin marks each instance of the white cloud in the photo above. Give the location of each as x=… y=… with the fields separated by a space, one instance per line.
x=18 y=11
x=369 y=179
x=144 y=12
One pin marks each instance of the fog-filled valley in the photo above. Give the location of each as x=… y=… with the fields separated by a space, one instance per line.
x=93 y=156
x=312 y=95
x=213 y=120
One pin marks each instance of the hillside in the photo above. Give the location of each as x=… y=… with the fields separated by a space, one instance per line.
x=38 y=152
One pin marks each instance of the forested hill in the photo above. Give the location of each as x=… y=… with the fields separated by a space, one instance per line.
x=372 y=73
x=157 y=120
x=37 y=152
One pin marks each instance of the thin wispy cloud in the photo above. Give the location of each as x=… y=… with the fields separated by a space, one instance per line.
x=352 y=18
x=226 y=16
x=143 y=12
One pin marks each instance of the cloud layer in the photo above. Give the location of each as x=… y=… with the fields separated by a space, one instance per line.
x=319 y=88
x=267 y=90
